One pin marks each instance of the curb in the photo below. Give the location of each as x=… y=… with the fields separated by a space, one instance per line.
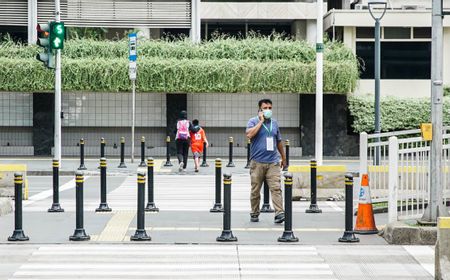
x=403 y=234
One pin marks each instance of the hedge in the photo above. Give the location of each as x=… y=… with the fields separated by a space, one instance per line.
x=396 y=113
x=173 y=75
x=260 y=49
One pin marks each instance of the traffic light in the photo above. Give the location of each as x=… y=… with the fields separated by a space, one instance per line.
x=46 y=56
x=57 y=33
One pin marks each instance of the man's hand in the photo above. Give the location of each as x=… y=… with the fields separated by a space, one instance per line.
x=261 y=116
x=283 y=163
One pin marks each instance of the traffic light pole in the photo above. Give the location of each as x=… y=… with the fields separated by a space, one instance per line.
x=58 y=116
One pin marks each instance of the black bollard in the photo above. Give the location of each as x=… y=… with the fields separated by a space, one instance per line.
x=288 y=234
x=266 y=205
x=218 y=204
x=18 y=234
x=204 y=163
x=142 y=164
x=227 y=234
x=248 y=153
x=286 y=143
x=230 y=152
x=140 y=234
x=122 y=153
x=103 y=207
x=168 y=163
x=56 y=207
x=349 y=235
x=102 y=147
x=79 y=233
x=313 y=207
x=151 y=207
x=82 y=166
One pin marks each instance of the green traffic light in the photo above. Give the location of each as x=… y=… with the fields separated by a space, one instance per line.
x=57 y=32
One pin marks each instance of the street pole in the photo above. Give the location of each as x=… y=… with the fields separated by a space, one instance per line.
x=319 y=84
x=133 y=118
x=57 y=139
x=377 y=88
x=435 y=206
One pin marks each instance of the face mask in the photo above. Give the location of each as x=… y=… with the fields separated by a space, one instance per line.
x=267 y=114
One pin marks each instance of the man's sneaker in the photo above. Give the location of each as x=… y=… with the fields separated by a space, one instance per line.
x=180 y=168
x=279 y=218
x=254 y=218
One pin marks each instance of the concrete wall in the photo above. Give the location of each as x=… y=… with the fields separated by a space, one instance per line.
x=398 y=88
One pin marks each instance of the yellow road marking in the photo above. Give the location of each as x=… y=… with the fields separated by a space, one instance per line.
x=444 y=222
x=320 y=168
x=117 y=226
x=238 y=229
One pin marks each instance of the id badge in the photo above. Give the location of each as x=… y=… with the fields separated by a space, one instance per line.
x=269 y=143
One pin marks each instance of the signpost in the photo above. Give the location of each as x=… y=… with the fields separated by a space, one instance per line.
x=132 y=50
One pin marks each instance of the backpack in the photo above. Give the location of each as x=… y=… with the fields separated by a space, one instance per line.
x=183 y=129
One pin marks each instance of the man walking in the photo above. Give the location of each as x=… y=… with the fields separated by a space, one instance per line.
x=265 y=150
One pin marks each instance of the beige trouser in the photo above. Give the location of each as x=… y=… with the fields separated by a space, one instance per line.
x=271 y=173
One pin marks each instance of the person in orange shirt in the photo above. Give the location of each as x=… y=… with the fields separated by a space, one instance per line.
x=198 y=137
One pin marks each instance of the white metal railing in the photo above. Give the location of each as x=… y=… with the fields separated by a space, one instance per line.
x=401 y=176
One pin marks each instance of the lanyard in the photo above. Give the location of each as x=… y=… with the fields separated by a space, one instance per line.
x=268 y=131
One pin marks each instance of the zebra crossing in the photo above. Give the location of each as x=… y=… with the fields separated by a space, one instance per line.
x=178 y=193
x=174 y=262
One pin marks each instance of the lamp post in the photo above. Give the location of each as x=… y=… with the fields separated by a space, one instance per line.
x=380 y=7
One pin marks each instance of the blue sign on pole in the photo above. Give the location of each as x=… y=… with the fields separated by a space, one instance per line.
x=132 y=46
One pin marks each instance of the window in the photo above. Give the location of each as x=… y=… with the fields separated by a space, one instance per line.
x=422 y=32
x=399 y=60
x=397 y=33
x=365 y=32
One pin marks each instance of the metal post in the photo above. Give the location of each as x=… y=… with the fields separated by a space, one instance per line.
x=204 y=163
x=142 y=164
x=79 y=233
x=230 y=152
x=319 y=83
x=168 y=163
x=313 y=207
x=377 y=88
x=218 y=204
x=58 y=114
x=435 y=206
x=18 y=234
x=102 y=147
x=363 y=153
x=151 y=207
x=140 y=234
x=393 y=180
x=288 y=234
x=266 y=205
x=82 y=166
x=287 y=155
x=349 y=235
x=133 y=118
x=248 y=153
x=56 y=207
x=227 y=234
x=122 y=153
x=103 y=207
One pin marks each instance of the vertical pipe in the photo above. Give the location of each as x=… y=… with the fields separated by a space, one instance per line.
x=140 y=234
x=103 y=207
x=230 y=153
x=56 y=207
x=288 y=234
x=313 y=207
x=204 y=163
x=168 y=163
x=102 y=147
x=248 y=153
x=349 y=235
x=319 y=83
x=151 y=207
x=377 y=88
x=266 y=204
x=142 y=164
x=79 y=233
x=122 y=153
x=18 y=234
x=82 y=166
x=218 y=204
x=227 y=234
x=287 y=144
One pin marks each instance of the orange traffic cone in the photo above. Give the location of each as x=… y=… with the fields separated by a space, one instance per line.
x=365 y=221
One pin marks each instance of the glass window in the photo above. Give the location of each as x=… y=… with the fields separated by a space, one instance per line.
x=365 y=32
x=399 y=60
x=397 y=33
x=422 y=32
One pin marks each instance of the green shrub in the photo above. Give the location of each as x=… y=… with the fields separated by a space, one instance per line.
x=396 y=113
x=173 y=75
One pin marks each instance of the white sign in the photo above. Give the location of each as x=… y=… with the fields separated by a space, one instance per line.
x=132 y=69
